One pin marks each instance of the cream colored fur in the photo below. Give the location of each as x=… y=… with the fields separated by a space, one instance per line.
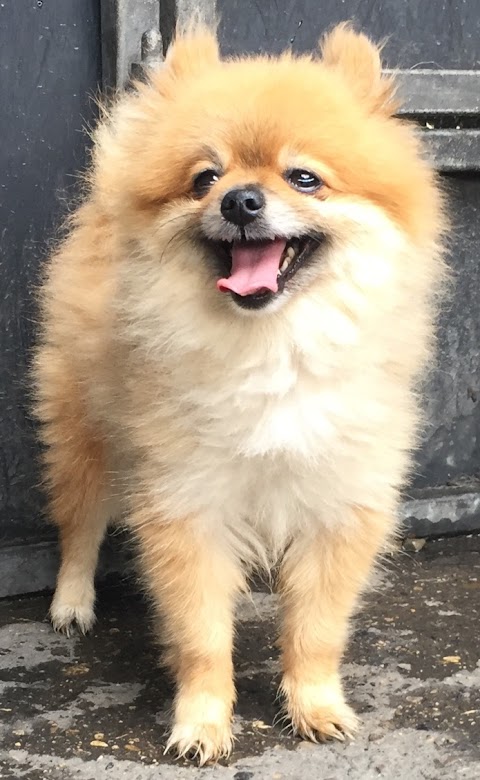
x=229 y=439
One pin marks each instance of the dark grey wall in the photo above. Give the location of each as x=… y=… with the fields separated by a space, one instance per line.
x=433 y=33
x=50 y=65
x=451 y=448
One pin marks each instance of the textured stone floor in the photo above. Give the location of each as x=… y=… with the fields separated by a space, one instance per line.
x=97 y=706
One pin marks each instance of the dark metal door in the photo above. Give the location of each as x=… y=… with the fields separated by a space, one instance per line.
x=50 y=66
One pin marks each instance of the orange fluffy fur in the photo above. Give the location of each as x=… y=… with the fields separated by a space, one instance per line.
x=230 y=439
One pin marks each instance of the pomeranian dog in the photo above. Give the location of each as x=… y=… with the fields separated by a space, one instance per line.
x=232 y=337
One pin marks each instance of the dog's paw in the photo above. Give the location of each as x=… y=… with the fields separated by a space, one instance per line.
x=69 y=610
x=202 y=729
x=319 y=712
x=203 y=742
x=325 y=723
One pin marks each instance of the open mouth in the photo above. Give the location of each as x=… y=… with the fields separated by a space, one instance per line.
x=257 y=271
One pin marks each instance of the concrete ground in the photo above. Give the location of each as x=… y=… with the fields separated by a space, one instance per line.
x=97 y=706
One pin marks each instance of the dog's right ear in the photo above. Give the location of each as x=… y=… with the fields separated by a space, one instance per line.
x=192 y=50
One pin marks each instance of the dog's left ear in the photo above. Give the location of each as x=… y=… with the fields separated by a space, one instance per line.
x=358 y=60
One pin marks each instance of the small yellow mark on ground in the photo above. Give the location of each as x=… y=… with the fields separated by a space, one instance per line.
x=134 y=748
x=472 y=585
x=76 y=670
x=98 y=743
x=259 y=724
x=451 y=659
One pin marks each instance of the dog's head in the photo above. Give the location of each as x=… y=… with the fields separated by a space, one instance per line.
x=261 y=171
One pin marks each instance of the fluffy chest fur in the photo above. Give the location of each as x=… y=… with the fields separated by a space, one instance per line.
x=276 y=432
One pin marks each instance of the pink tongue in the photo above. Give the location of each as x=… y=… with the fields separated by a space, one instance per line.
x=254 y=267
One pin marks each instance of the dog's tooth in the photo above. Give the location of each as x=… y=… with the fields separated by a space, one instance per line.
x=291 y=252
x=284 y=266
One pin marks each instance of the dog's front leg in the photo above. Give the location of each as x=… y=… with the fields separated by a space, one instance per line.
x=320 y=581
x=194 y=582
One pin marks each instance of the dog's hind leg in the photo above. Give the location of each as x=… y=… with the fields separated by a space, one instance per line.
x=76 y=485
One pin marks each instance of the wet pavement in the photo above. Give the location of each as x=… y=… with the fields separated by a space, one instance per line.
x=98 y=706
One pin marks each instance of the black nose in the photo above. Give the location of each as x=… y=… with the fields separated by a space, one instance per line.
x=242 y=205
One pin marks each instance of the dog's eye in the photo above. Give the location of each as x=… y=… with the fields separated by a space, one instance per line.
x=303 y=181
x=204 y=181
